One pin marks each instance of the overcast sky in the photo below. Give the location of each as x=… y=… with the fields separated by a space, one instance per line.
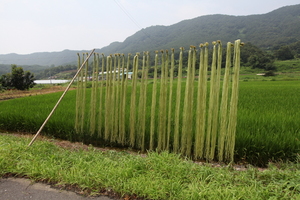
x=29 y=26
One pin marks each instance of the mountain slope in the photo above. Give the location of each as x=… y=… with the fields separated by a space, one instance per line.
x=279 y=27
x=41 y=58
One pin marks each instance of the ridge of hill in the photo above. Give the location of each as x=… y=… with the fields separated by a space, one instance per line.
x=278 y=27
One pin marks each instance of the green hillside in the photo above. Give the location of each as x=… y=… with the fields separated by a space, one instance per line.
x=279 y=27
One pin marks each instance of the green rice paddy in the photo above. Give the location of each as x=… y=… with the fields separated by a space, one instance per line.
x=267 y=121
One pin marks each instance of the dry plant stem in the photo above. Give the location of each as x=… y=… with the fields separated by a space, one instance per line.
x=80 y=123
x=190 y=120
x=200 y=113
x=123 y=132
x=107 y=98
x=113 y=100
x=165 y=101
x=142 y=106
x=215 y=121
x=101 y=98
x=144 y=98
x=122 y=105
x=62 y=96
x=161 y=124
x=233 y=104
x=110 y=97
x=211 y=108
x=153 y=104
x=170 y=100
x=177 y=106
x=186 y=108
x=78 y=97
x=224 y=105
x=203 y=104
x=133 y=102
x=93 y=98
x=119 y=99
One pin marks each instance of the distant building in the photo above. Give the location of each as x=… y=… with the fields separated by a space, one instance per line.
x=119 y=75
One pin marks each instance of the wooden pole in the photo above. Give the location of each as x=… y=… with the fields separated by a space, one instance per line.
x=62 y=96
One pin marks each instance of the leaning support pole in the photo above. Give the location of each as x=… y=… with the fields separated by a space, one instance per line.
x=62 y=96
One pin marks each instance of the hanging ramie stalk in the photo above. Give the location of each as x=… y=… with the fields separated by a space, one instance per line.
x=115 y=134
x=201 y=107
x=121 y=110
x=84 y=86
x=92 y=126
x=101 y=97
x=165 y=87
x=153 y=104
x=78 y=98
x=188 y=103
x=177 y=106
x=224 y=105
x=124 y=94
x=118 y=99
x=141 y=114
x=132 y=120
x=215 y=118
x=230 y=141
x=170 y=100
x=162 y=105
x=108 y=104
x=145 y=98
x=191 y=103
x=142 y=102
x=113 y=99
x=211 y=108
x=97 y=65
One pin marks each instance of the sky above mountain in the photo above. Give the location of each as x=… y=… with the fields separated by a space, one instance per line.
x=29 y=26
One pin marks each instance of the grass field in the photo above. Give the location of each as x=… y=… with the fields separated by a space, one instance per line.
x=155 y=176
x=267 y=128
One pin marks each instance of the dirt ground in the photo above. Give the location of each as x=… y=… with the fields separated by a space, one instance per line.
x=12 y=94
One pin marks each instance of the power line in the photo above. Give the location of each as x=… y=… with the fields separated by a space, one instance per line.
x=131 y=18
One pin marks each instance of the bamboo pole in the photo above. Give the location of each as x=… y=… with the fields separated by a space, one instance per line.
x=62 y=96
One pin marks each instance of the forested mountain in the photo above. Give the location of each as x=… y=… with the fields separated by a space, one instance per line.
x=40 y=58
x=276 y=28
x=279 y=27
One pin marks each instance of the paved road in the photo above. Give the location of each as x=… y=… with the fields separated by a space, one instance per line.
x=21 y=189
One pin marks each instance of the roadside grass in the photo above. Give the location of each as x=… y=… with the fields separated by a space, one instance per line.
x=154 y=176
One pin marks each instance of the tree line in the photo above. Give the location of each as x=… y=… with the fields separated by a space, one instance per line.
x=251 y=56
x=17 y=79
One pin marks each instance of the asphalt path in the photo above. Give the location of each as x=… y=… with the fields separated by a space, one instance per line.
x=21 y=189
